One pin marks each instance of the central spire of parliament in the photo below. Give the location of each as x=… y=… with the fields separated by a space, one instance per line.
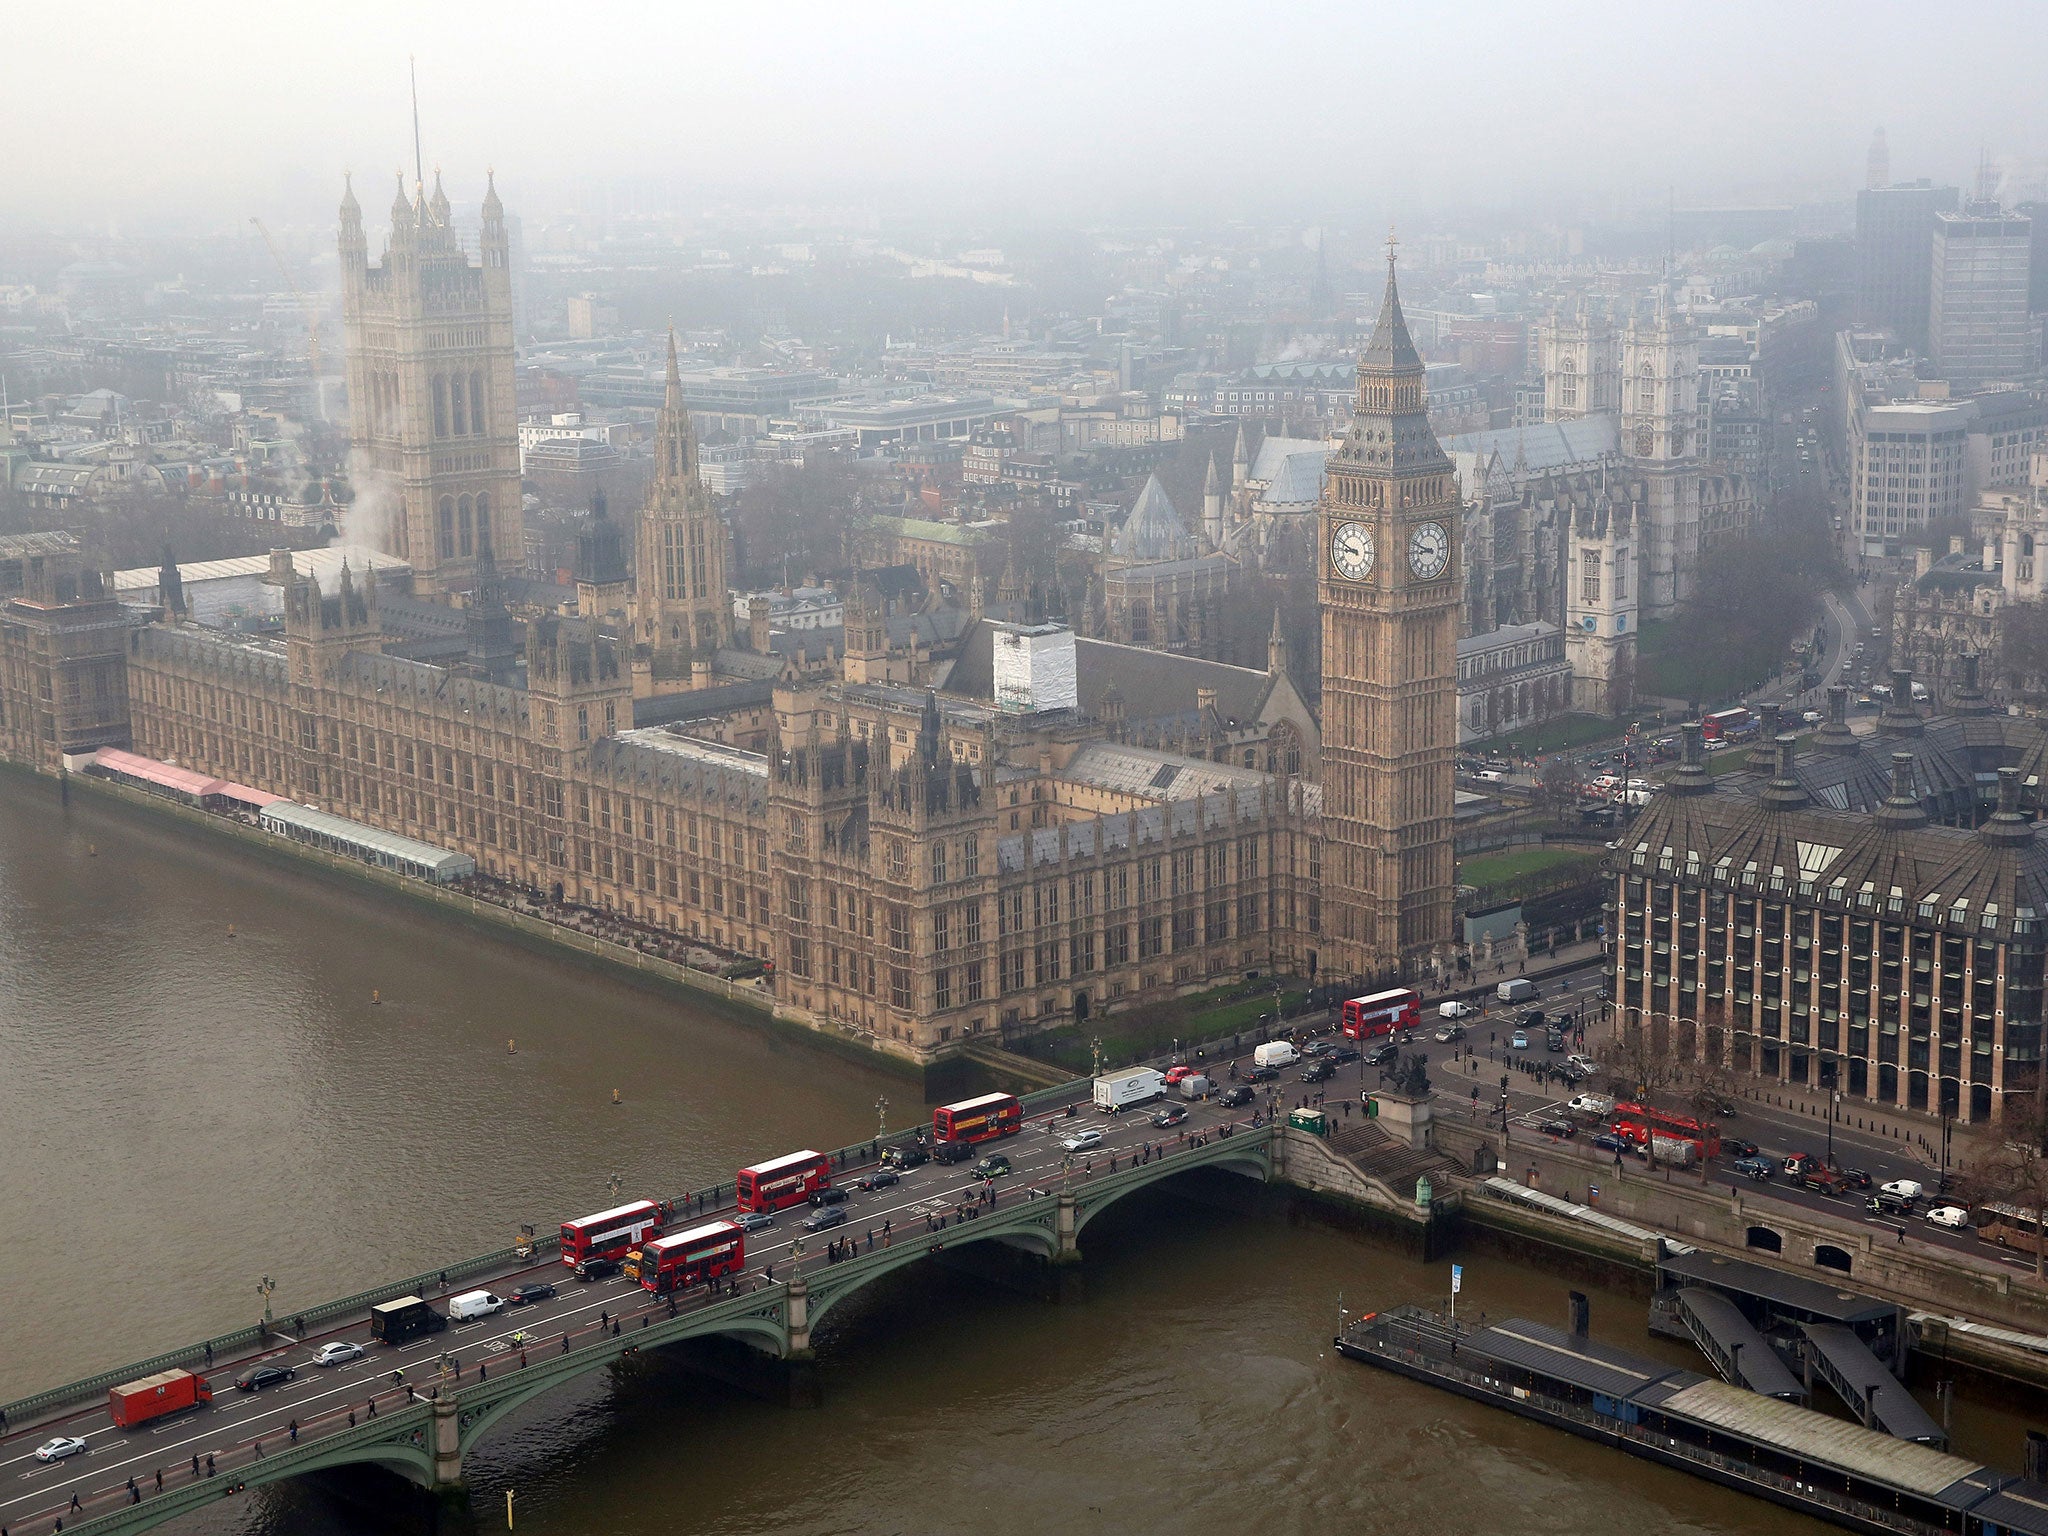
x=682 y=614
x=1388 y=585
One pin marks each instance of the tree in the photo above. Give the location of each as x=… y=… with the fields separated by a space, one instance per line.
x=2011 y=1167
x=795 y=518
x=1559 y=785
x=1642 y=1061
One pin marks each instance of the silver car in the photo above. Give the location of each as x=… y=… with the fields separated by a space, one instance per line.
x=1081 y=1141
x=338 y=1353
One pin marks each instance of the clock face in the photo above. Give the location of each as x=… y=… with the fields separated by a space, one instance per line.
x=1429 y=551
x=1351 y=551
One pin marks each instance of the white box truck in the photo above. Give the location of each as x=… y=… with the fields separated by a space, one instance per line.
x=1276 y=1053
x=1674 y=1151
x=1123 y=1089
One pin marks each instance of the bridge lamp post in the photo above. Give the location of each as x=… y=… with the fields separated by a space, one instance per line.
x=881 y=1116
x=1095 y=1045
x=263 y=1288
x=613 y=1183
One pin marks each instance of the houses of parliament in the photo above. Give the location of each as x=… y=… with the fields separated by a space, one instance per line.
x=924 y=857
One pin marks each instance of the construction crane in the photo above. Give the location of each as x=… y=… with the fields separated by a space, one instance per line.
x=312 y=317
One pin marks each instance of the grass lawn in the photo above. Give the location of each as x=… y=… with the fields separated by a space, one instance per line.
x=1552 y=735
x=1493 y=868
x=1147 y=1031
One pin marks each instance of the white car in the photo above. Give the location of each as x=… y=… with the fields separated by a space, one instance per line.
x=1810 y=717
x=1954 y=1217
x=337 y=1353
x=1081 y=1141
x=1583 y=1063
x=57 y=1447
x=1905 y=1189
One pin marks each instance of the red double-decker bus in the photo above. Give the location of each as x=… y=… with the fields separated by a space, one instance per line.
x=1382 y=1013
x=1726 y=724
x=1639 y=1122
x=784 y=1181
x=688 y=1258
x=610 y=1234
x=982 y=1119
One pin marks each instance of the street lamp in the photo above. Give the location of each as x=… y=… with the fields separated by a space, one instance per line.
x=881 y=1117
x=1834 y=1105
x=263 y=1288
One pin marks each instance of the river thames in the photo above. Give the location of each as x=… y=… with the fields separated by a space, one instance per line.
x=186 y=1111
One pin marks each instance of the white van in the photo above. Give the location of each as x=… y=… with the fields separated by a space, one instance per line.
x=1515 y=990
x=471 y=1305
x=1275 y=1053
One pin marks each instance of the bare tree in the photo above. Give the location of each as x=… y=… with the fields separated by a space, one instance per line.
x=2008 y=1165
x=1559 y=785
x=1642 y=1061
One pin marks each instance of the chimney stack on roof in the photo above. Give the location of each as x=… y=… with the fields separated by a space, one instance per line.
x=2009 y=825
x=1901 y=810
x=1785 y=792
x=1692 y=777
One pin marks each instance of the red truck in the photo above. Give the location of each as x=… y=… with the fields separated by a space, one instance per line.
x=152 y=1397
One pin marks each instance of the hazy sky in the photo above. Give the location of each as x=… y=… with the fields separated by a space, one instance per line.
x=124 y=111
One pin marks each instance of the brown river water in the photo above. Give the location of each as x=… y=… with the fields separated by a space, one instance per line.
x=182 y=1112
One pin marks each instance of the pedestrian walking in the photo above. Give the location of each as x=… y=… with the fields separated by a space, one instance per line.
x=74 y=1501
x=294 y=1431
x=159 y=1479
x=209 y=1463
x=195 y=1463
x=351 y=1418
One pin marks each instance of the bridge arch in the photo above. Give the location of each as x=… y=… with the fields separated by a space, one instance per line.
x=1254 y=1161
x=480 y=1413
x=1036 y=1235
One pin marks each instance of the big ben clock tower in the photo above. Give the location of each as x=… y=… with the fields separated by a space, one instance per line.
x=1388 y=586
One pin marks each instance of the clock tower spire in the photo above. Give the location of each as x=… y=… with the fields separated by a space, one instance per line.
x=1388 y=586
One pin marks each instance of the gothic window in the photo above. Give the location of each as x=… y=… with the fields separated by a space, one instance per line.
x=476 y=403
x=462 y=517
x=483 y=505
x=445 y=526
x=673 y=578
x=458 y=405
x=440 y=406
x=1646 y=442
x=1589 y=576
x=1621 y=575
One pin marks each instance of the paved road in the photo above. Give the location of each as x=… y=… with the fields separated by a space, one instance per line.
x=33 y=1493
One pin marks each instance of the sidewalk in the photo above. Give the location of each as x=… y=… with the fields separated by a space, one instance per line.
x=1918 y=1133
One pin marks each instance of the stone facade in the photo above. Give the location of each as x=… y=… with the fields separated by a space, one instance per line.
x=918 y=872
x=63 y=685
x=1389 y=585
x=432 y=418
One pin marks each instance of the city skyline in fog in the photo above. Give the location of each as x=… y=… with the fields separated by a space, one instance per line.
x=1147 y=111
